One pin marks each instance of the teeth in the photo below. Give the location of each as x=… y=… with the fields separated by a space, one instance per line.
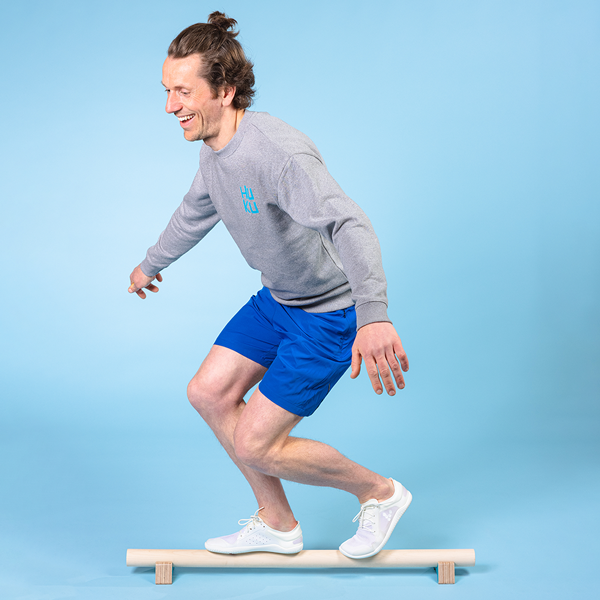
x=186 y=118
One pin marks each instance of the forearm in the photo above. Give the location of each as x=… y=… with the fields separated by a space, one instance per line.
x=177 y=239
x=359 y=251
x=192 y=220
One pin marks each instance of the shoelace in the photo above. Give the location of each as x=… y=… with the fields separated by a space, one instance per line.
x=366 y=520
x=252 y=522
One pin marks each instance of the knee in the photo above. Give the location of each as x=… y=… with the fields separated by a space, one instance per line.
x=205 y=395
x=253 y=451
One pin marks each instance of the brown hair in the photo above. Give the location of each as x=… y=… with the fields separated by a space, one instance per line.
x=224 y=63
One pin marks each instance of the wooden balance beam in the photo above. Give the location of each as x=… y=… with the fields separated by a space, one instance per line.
x=165 y=560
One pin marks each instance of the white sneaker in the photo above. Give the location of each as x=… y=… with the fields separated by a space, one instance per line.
x=376 y=521
x=257 y=536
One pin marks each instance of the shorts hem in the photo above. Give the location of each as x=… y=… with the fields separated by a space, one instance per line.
x=256 y=357
x=292 y=408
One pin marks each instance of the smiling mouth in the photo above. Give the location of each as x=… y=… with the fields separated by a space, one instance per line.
x=185 y=119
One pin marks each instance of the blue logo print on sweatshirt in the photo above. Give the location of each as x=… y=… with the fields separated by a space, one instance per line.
x=247 y=197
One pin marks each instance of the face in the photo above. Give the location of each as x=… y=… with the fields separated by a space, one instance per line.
x=191 y=100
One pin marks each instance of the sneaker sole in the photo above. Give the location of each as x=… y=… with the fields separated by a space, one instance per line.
x=266 y=548
x=393 y=524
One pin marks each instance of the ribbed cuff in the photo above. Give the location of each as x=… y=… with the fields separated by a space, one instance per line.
x=371 y=312
x=147 y=269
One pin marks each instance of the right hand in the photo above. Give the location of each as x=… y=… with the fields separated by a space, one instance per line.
x=380 y=347
x=139 y=282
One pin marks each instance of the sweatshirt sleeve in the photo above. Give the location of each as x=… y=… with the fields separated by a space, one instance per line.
x=192 y=220
x=310 y=195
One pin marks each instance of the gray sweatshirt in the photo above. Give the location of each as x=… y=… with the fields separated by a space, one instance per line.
x=315 y=248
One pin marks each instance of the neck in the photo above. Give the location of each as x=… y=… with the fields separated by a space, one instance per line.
x=229 y=125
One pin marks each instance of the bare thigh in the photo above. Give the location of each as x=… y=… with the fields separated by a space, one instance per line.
x=223 y=379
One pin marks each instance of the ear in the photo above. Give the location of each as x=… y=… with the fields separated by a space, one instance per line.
x=228 y=95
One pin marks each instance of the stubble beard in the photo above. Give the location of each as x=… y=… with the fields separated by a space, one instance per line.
x=208 y=129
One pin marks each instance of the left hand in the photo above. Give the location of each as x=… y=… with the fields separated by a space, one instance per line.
x=380 y=347
x=140 y=281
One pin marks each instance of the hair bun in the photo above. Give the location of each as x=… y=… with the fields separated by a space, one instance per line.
x=221 y=21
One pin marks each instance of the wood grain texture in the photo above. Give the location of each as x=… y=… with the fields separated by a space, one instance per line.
x=445 y=572
x=164 y=573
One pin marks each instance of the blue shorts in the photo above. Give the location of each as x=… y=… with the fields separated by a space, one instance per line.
x=305 y=353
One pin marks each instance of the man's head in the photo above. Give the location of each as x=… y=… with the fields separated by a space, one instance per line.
x=207 y=74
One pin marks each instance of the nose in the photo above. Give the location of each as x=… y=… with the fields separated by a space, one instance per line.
x=173 y=103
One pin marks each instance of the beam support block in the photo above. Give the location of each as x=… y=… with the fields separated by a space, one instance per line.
x=164 y=573
x=445 y=571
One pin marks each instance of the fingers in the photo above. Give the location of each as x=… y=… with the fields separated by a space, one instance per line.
x=140 y=292
x=399 y=352
x=388 y=368
x=373 y=373
x=152 y=288
x=396 y=370
x=356 y=360
x=404 y=362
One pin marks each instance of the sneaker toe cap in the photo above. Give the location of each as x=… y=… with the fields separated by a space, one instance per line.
x=356 y=548
x=221 y=543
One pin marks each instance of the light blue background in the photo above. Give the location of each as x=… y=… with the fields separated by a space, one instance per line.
x=469 y=133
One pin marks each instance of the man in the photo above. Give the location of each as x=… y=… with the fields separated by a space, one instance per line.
x=321 y=268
